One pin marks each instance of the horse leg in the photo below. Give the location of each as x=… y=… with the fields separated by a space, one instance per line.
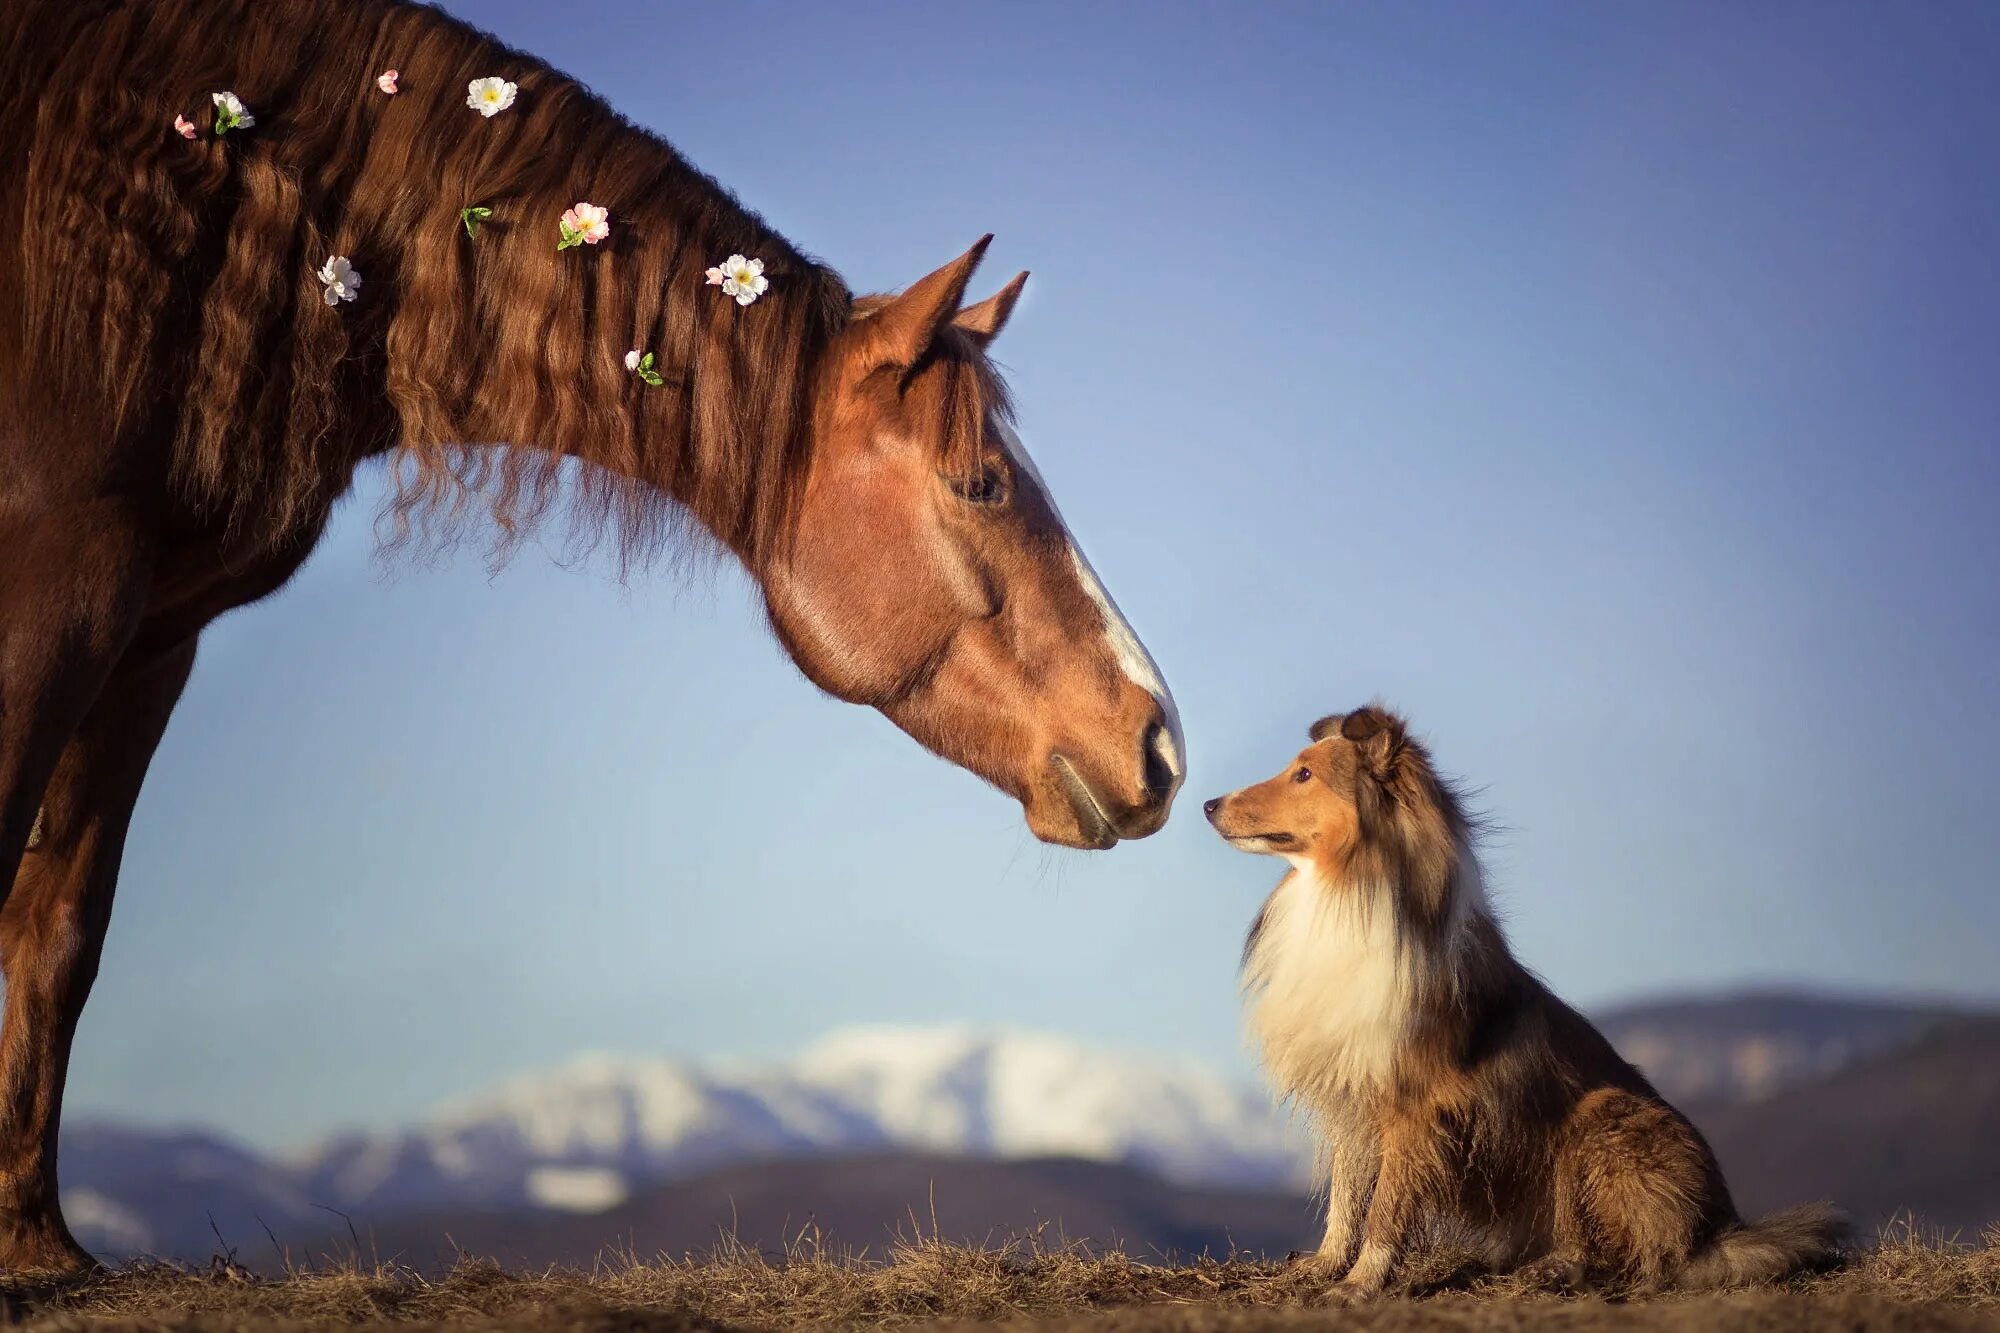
x=52 y=931
x=73 y=581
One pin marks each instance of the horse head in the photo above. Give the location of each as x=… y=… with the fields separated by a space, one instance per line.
x=930 y=575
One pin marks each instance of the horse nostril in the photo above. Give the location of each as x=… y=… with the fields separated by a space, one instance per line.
x=1210 y=806
x=1156 y=770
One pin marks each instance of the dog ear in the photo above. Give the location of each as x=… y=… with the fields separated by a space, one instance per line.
x=1378 y=737
x=1326 y=726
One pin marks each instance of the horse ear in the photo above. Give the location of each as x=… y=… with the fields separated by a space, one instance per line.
x=902 y=329
x=985 y=320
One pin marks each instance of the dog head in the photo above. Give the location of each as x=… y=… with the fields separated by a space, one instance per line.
x=1312 y=810
x=1360 y=803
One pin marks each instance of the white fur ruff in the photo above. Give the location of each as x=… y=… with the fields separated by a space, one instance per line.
x=1332 y=986
x=1329 y=989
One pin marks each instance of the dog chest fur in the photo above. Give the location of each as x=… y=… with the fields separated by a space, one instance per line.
x=1330 y=988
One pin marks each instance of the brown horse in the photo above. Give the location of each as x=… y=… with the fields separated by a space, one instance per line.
x=182 y=401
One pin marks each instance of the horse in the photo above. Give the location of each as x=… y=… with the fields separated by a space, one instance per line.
x=243 y=257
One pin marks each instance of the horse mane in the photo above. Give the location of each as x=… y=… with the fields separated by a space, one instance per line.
x=172 y=282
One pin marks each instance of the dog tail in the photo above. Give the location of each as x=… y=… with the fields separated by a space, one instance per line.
x=1809 y=1237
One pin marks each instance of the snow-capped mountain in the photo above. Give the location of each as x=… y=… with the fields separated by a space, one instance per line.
x=1033 y=1095
x=585 y=1133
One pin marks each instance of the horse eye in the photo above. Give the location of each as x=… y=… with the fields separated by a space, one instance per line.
x=986 y=487
x=1303 y=775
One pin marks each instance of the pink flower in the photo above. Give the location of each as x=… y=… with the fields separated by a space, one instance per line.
x=584 y=224
x=184 y=127
x=594 y=222
x=387 y=83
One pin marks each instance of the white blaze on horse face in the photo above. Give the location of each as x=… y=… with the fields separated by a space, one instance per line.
x=1131 y=655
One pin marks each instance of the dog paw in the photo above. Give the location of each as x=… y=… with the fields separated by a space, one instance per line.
x=1555 y=1273
x=1345 y=1295
x=1327 y=1267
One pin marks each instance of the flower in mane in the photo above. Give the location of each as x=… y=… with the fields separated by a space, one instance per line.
x=642 y=366
x=484 y=351
x=230 y=113
x=343 y=282
x=183 y=126
x=387 y=80
x=489 y=96
x=584 y=224
x=741 y=278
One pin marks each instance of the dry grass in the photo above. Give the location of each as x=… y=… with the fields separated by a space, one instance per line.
x=1904 y=1282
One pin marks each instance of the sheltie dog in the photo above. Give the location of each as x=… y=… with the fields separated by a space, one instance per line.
x=1456 y=1099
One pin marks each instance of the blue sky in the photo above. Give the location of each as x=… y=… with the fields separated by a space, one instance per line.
x=1611 y=388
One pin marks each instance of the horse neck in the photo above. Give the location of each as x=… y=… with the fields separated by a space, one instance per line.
x=500 y=337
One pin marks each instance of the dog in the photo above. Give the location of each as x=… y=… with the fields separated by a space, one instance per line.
x=1455 y=1099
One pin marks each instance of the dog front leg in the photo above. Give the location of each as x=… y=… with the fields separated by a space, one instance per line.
x=1354 y=1159
x=1412 y=1167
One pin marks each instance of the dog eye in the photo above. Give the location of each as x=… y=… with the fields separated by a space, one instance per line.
x=988 y=486
x=1303 y=775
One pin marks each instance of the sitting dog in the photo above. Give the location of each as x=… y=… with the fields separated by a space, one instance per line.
x=1452 y=1095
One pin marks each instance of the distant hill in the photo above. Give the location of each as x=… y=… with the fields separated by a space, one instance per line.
x=1718 y=1049
x=1913 y=1129
x=865 y=1203
x=1875 y=1104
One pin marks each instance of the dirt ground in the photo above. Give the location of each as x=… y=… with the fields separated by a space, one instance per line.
x=1901 y=1283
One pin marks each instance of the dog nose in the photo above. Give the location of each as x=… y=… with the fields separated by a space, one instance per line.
x=1211 y=805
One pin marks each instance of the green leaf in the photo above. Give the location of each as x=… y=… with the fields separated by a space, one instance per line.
x=651 y=377
x=472 y=216
x=570 y=236
x=646 y=361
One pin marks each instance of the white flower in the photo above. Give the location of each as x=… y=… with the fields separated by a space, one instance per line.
x=343 y=283
x=489 y=96
x=230 y=113
x=632 y=359
x=741 y=278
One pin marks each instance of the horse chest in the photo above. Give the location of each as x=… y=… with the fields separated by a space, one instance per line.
x=203 y=575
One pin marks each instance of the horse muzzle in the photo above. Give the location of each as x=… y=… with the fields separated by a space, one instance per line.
x=1084 y=805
